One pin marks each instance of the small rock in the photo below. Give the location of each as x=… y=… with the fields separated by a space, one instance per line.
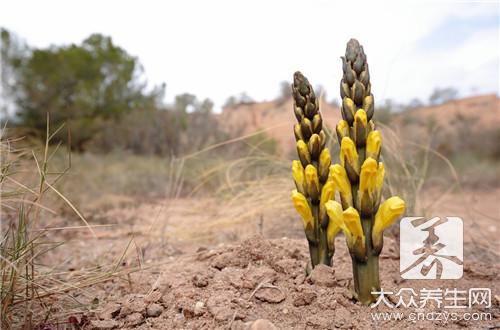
x=285 y=310
x=322 y=275
x=262 y=324
x=199 y=308
x=104 y=325
x=304 y=298
x=270 y=295
x=134 y=319
x=154 y=310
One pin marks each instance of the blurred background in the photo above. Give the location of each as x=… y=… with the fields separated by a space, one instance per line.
x=165 y=125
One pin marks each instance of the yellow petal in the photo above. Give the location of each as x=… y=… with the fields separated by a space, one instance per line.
x=302 y=206
x=368 y=176
x=342 y=129
x=327 y=193
x=324 y=164
x=373 y=144
x=298 y=175
x=348 y=152
x=334 y=210
x=387 y=213
x=304 y=155
x=360 y=118
x=312 y=182
x=339 y=177
x=352 y=222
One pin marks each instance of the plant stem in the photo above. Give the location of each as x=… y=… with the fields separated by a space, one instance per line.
x=366 y=273
x=318 y=248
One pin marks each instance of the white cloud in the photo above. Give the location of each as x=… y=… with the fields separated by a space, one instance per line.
x=218 y=48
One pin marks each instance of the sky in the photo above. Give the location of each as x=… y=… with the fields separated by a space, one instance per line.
x=216 y=49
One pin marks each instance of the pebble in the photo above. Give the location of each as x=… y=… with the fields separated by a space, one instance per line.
x=154 y=310
x=199 y=308
x=262 y=324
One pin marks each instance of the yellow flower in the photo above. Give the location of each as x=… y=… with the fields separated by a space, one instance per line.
x=312 y=182
x=324 y=164
x=371 y=179
x=387 y=213
x=339 y=177
x=302 y=206
x=360 y=128
x=352 y=223
x=298 y=176
x=368 y=176
x=373 y=144
x=327 y=193
x=303 y=152
x=335 y=223
x=348 y=154
x=342 y=129
x=360 y=118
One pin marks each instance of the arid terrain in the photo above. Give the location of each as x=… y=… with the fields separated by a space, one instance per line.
x=216 y=274
x=224 y=249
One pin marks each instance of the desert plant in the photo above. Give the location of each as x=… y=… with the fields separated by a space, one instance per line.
x=310 y=173
x=358 y=178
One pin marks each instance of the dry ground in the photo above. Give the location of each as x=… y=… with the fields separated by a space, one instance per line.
x=193 y=264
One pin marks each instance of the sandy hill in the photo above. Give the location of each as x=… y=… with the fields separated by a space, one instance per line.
x=479 y=112
x=276 y=117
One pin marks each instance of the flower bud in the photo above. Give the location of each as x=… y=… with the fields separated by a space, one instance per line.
x=322 y=139
x=358 y=93
x=297 y=132
x=369 y=106
x=349 y=158
x=345 y=91
x=325 y=161
x=348 y=110
x=339 y=177
x=360 y=127
x=298 y=176
x=342 y=130
x=310 y=109
x=367 y=186
x=312 y=182
x=314 y=146
x=304 y=209
x=317 y=123
x=373 y=144
x=303 y=152
x=327 y=193
x=299 y=114
x=306 y=127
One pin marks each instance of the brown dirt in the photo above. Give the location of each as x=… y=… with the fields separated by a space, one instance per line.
x=216 y=275
x=232 y=286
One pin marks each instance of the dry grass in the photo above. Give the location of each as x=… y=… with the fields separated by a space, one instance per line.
x=39 y=192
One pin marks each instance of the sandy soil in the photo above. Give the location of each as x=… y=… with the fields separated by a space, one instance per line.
x=216 y=275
